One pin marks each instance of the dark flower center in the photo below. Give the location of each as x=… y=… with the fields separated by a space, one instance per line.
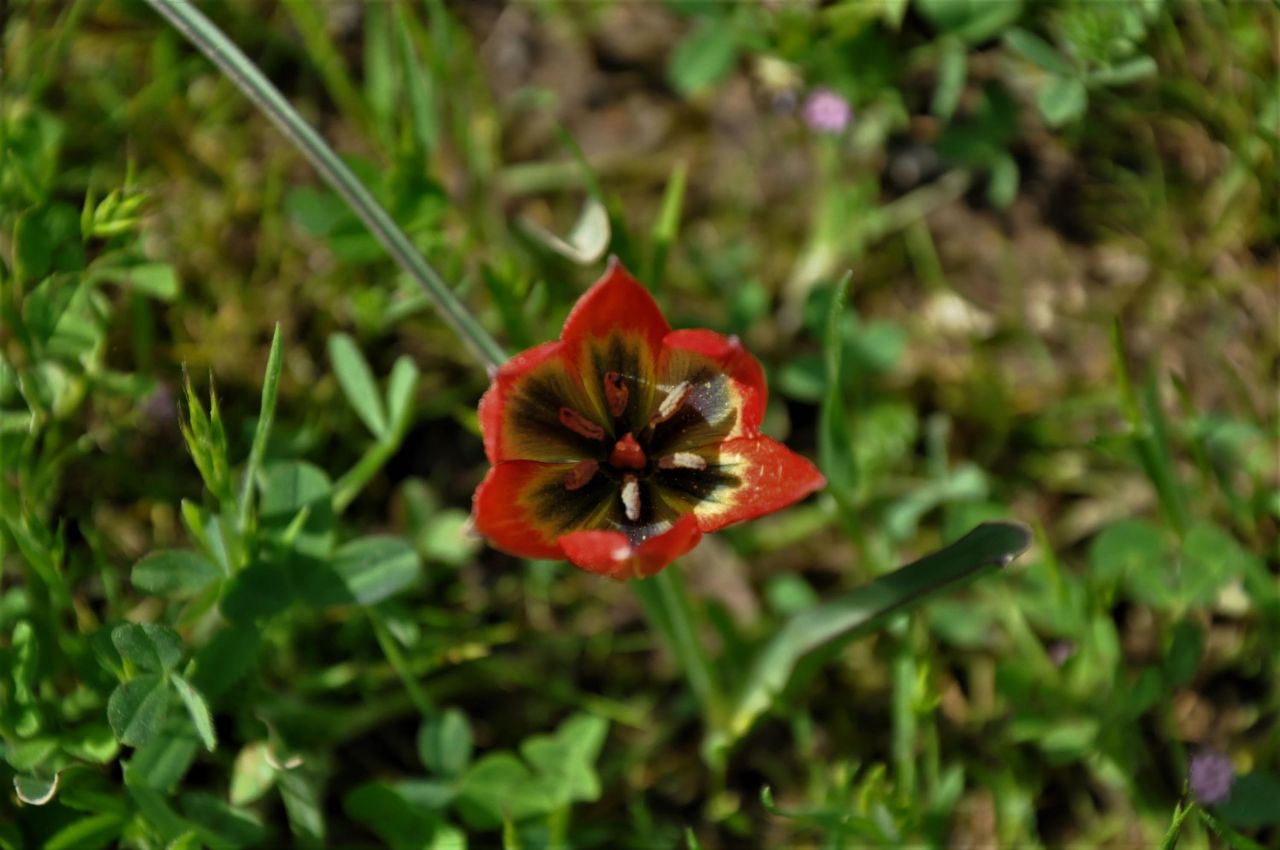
x=628 y=463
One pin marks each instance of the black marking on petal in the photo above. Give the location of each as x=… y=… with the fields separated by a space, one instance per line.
x=693 y=486
x=533 y=418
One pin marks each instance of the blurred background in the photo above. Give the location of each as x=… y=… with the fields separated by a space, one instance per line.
x=1062 y=227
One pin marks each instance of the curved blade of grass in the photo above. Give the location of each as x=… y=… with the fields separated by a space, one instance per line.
x=987 y=548
x=205 y=35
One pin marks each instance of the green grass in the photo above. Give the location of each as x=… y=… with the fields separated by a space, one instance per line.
x=238 y=443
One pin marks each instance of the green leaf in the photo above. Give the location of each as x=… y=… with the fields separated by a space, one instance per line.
x=47 y=239
x=1129 y=71
x=225 y=659
x=666 y=225
x=1062 y=100
x=199 y=711
x=259 y=592
x=266 y=415
x=376 y=568
x=835 y=442
x=26 y=756
x=357 y=382
x=953 y=69
x=161 y=763
x=988 y=547
x=1128 y=547
x=159 y=280
x=500 y=786
x=401 y=387
x=288 y=488
x=92 y=742
x=151 y=647
x=566 y=760
x=88 y=833
x=392 y=818
x=444 y=743
x=176 y=573
x=1036 y=50
x=35 y=789
x=703 y=58
x=302 y=797
x=973 y=20
x=1252 y=804
x=1185 y=650
x=224 y=826
x=138 y=708
x=252 y=775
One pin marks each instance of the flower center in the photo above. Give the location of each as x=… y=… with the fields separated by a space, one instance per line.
x=627 y=453
x=627 y=463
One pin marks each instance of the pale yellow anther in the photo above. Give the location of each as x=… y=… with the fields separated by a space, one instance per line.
x=682 y=460
x=677 y=397
x=631 y=497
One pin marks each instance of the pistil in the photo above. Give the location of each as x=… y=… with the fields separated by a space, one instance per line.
x=628 y=454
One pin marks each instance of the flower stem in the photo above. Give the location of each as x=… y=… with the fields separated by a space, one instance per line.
x=666 y=603
x=205 y=35
x=396 y=658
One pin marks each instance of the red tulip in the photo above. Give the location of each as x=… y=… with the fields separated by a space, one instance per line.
x=618 y=445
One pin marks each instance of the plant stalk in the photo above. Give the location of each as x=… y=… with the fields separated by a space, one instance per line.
x=213 y=43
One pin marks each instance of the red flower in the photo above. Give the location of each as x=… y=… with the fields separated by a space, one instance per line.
x=619 y=444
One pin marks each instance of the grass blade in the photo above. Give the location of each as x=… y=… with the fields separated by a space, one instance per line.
x=988 y=547
x=266 y=414
x=200 y=31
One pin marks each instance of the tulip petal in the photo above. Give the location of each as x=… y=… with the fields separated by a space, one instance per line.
x=688 y=354
x=611 y=554
x=616 y=302
x=520 y=412
x=744 y=479
x=523 y=507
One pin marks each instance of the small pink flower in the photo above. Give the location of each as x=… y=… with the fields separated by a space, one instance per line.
x=1211 y=777
x=825 y=111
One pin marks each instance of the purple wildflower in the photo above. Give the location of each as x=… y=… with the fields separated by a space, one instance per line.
x=1211 y=777
x=1060 y=651
x=825 y=111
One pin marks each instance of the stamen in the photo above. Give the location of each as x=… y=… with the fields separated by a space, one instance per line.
x=631 y=497
x=579 y=424
x=682 y=460
x=616 y=393
x=674 y=401
x=628 y=453
x=580 y=475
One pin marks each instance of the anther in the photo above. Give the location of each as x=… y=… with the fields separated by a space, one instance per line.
x=580 y=475
x=579 y=424
x=627 y=453
x=616 y=393
x=682 y=460
x=673 y=402
x=631 y=497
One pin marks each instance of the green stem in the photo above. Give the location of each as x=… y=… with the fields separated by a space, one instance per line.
x=396 y=658
x=666 y=603
x=353 y=481
x=205 y=35
x=1180 y=812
